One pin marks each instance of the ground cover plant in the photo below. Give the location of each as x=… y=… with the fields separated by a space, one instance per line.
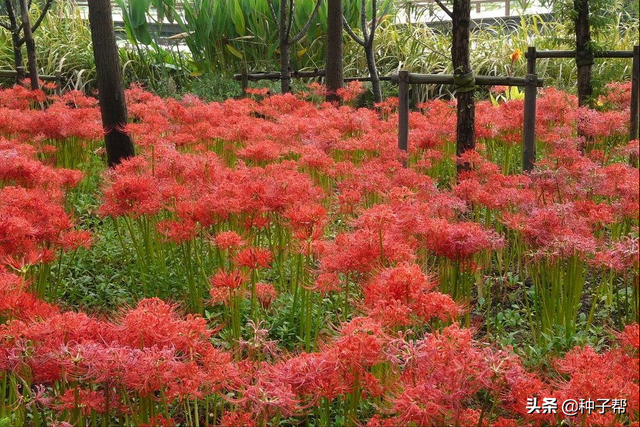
x=268 y=261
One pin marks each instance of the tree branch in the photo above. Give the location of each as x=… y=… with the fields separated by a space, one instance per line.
x=444 y=8
x=36 y=24
x=21 y=26
x=273 y=13
x=290 y=20
x=374 y=17
x=376 y=22
x=353 y=35
x=12 y=16
x=304 y=29
x=363 y=20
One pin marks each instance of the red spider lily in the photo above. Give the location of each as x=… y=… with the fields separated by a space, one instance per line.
x=254 y=258
x=351 y=91
x=19 y=165
x=307 y=220
x=362 y=251
x=630 y=336
x=177 y=231
x=16 y=303
x=237 y=419
x=459 y=241
x=132 y=195
x=322 y=185
x=266 y=294
x=228 y=240
x=327 y=282
x=231 y=280
x=262 y=151
x=87 y=400
x=621 y=257
x=76 y=239
x=619 y=376
x=219 y=296
x=31 y=221
x=396 y=294
x=154 y=322
x=159 y=421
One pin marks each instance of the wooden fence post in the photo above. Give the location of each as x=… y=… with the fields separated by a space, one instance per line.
x=414 y=96
x=244 y=82
x=58 y=90
x=403 y=112
x=635 y=98
x=529 y=132
x=19 y=72
x=531 y=60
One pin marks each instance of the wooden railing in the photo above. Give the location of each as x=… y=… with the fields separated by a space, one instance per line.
x=57 y=79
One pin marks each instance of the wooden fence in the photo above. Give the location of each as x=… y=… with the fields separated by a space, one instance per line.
x=634 y=124
x=245 y=78
x=530 y=82
x=57 y=79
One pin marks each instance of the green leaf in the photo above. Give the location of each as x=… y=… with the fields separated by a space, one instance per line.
x=494 y=101
x=234 y=51
x=238 y=18
x=138 y=12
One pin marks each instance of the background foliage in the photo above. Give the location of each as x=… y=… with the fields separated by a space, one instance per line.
x=220 y=38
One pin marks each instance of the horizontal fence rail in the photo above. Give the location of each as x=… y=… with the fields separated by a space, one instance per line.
x=531 y=83
x=448 y=79
x=57 y=79
x=572 y=54
x=12 y=74
x=275 y=75
x=533 y=54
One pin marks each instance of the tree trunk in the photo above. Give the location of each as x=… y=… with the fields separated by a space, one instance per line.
x=285 y=60
x=285 y=72
x=465 y=139
x=30 y=43
x=111 y=91
x=16 y=42
x=334 y=76
x=373 y=71
x=17 y=57
x=584 y=56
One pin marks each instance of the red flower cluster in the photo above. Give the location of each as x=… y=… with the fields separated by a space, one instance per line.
x=306 y=211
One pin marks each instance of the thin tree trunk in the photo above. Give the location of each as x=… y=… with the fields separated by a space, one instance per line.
x=30 y=43
x=17 y=57
x=285 y=71
x=584 y=57
x=373 y=71
x=465 y=139
x=334 y=76
x=285 y=60
x=16 y=42
x=111 y=92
